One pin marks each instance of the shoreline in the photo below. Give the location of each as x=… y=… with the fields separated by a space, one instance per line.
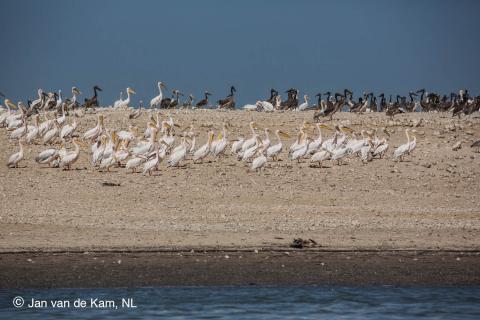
x=238 y=268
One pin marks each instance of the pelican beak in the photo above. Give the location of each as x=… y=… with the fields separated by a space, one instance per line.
x=176 y=125
x=131 y=91
x=347 y=129
x=284 y=134
x=324 y=126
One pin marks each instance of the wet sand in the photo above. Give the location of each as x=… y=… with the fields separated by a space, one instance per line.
x=221 y=268
x=428 y=202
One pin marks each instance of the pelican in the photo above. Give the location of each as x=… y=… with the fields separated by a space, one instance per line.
x=75 y=92
x=302 y=151
x=120 y=99
x=129 y=135
x=122 y=153
x=178 y=155
x=134 y=162
x=16 y=157
x=266 y=142
x=304 y=106
x=381 y=149
x=71 y=157
x=19 y=132
x=250 y=107
x=143 y=148
x=61 y=120
x=413 y=144
x=33 y=130
x=316 y=144
x=109 y=160
x=46 y=125
x=68 y=130
x=265 y=105
x=47 y=156
x=253 y=140
x=320 y=156
x=94 y=133
x=340 y=153
x=4 y=116
x=191 y=135
x=50 y=135
x=97 y=154
x=276 y=149
x=204 y=150
x=400 y=152
x=250 y=152
x=59 y=101
x=221 y=144
x=124 y=103
x=151 y=164
x=260 y=161
x=155 y=102
x=237 y=145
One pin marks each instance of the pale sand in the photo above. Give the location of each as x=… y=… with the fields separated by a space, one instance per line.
x=430 y=201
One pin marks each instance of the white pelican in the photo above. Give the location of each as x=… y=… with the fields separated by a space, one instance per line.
x=155 y=102
x=47 y=156
x=61 y=120
x=413 y=144
x=124 y=103
x=32 y=132
x=237 y=145
x=221 y=144
x=250 y=107
x=253 y=140
x=191 y=134
x=204 y=150
x=250 y=152
x=68 y=130
x=178 y=155
x=122 y=153
x=50 y=135
x=152 y=163
x=265 y=105
x=16 y=157
x=260 y=161
x=120 y=99
x=19 y=132
x=403 y=149
x=275 y=150
x=316 y=144
x=143 y=148
x=71 y=157
x=302 y=151
x=94 y=133
x=340 y=153
x=129 y=135
x=320 y=156
x=381 y=149
x=304 y=106
x=75 y=91
x=46 y=125
x=99 y=150
x=366 y=151
x=4 y=116
x=134 y=162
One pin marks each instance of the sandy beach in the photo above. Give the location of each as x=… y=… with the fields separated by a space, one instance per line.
x=430 y=201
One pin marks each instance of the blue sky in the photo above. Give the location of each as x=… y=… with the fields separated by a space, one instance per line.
x=385 y=46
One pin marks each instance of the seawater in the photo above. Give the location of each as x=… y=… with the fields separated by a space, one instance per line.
x=244 y=303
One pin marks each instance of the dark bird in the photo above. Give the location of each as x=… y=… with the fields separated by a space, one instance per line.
x=229 y=101
x=93 y=101
x=203 y=102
